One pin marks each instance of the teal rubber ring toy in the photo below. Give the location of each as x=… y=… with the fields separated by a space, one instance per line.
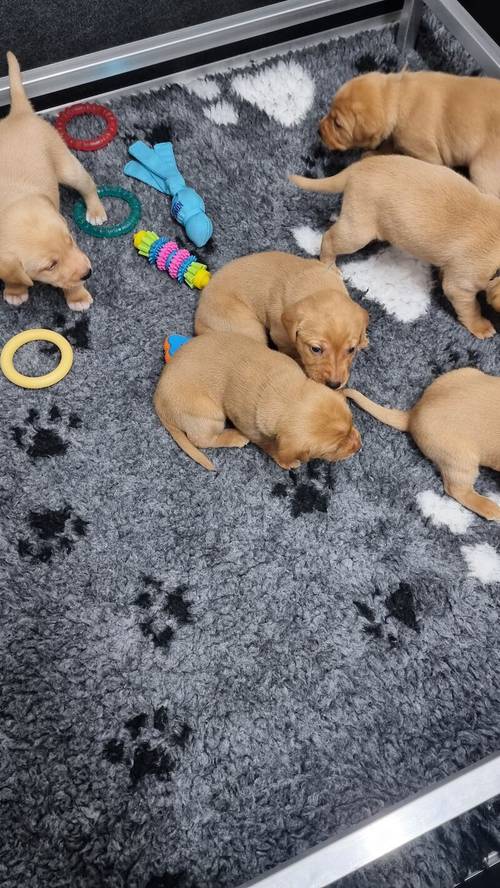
x=105 y=230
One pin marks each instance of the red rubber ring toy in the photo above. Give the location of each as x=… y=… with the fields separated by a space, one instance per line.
x=99 y=141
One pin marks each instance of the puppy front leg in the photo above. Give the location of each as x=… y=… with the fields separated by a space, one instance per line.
x=284 y=461
x=385 y=147
x=467 y=308
x=15 y=294
x=70 y=172
x=78 y=298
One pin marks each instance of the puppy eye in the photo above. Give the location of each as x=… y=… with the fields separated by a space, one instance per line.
x=351 y=350
x=316 y=349
x=52 y=265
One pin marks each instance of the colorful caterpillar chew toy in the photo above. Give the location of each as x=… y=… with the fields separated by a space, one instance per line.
x=167 y=256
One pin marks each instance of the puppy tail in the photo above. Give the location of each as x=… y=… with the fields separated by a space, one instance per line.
x=185 y=444
x=19 y=102
x=398 y=419
x=335 y=184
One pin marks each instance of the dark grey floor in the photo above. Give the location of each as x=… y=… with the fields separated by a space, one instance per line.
x=206 y=674
x=45 y=32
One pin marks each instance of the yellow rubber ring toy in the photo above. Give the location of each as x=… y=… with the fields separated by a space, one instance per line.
x=35 y=335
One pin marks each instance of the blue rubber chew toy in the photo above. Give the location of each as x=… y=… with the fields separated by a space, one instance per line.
x=172 y=344
x=157 y=167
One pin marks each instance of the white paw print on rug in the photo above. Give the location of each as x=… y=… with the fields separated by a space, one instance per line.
x=483 y=562
x=285 y=92
x=308 y=239
x=398 y=282
x=222 y=113
x=443 y=511
x=218 y=111
x=204 y=88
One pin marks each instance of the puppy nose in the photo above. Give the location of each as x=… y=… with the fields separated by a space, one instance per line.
x=333 y=383
x=86 y=276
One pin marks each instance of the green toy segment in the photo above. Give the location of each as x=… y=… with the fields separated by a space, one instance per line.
x=105 y=230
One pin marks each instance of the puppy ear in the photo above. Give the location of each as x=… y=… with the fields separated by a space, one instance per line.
x=12 y=271
x=291 y=320
x=289 y=452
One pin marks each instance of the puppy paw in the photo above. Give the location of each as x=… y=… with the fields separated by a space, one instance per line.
x=294 y=464
x=491 y=511
x=82 y=301
x=15 y=298
x=96 y=214
x=482 y=329
x=240 y=441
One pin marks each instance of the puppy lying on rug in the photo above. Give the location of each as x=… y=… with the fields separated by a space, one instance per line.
x=264 y=394
x=456 y=424
x=429 y=211
x=304 y=307
x=440 y=118
x=35 y=241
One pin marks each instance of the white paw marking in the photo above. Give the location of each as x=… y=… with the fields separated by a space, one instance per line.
x=308 y=239
x=483 y=562
x=15 y=298
x=493 y=495
x=285 y=91
x=444 y=511
x=398 y=282
x=205 y=89
x=96 y=217
x=221 y=112
x=81 y=304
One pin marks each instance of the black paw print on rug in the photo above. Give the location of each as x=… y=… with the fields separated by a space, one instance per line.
x=306 y=492
x=164 y=610
x=169 y=879
x=388 y=64
x=76 y=332
x=51 y=531
x=399 y=605
x=40 y=441
x=155 y=757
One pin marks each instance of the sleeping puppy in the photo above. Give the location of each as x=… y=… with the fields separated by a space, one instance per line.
x=264 y=394
x=429 y=211
x=456 y=424
x=303 y=305
x=440 y=118
x=35 y=242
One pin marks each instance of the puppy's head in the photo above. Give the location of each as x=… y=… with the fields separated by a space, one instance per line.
x=493 y=293
x=322 y=428
x=36 y=245
x=357 y=117
x=327 y=329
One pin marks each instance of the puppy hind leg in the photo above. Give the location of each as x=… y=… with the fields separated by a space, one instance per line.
x=459 y=483
x=70 y=172
x=467 y=308
x=484 y=171
x=343 y=238
x=210 y=432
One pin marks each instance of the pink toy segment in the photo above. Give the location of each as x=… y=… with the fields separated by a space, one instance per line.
x=177 y=261
x=166 y=250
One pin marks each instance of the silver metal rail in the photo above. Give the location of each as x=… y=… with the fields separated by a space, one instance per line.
x=176 y=44
x=389 y=830
x=466 y=29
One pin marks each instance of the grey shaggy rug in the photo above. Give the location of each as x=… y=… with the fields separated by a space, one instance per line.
x=203 y=674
